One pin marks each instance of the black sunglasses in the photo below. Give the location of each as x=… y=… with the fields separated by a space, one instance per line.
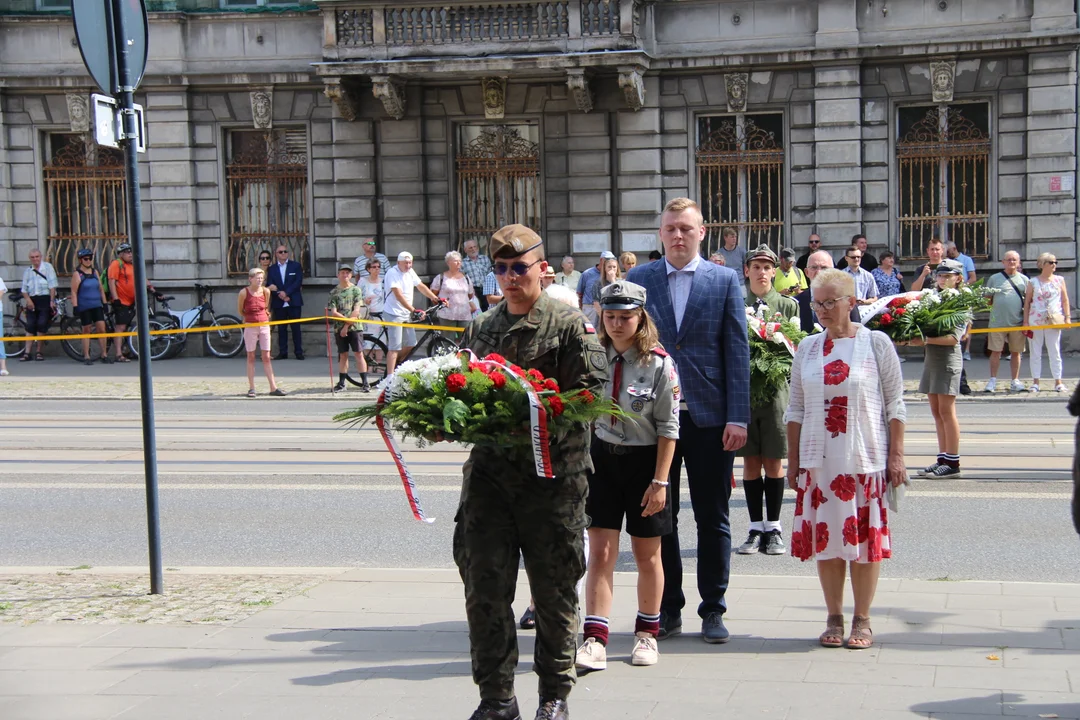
x=518 y=268
x=1051 y=262
x=282 y=252
x=264 y=257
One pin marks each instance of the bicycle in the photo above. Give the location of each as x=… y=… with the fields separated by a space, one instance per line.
x=15 y=327
x=71 y=325
x=222 y=343
x=436 y=343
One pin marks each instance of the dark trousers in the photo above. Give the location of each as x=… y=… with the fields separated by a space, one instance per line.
x=481 y=298
x=289 y=313
x=708 y=472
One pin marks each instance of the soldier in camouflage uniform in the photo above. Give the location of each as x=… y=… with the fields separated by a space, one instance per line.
x=507 y=511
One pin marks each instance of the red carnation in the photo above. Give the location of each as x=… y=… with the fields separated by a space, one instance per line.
x=477 y=366
x=900 y=311
x=556 y=404
x=550 y=384
x=536 y=386
x=516 y=369
x=886 y=319
x=586 y=396
x=534 y=374
x=496 y=357
x=455 y=382
x=498 y=379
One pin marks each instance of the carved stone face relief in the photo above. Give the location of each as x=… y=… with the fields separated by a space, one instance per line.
x=494 y=97
x=736 y=86
x=262 y=109
x=78 y=112
x=943 y=80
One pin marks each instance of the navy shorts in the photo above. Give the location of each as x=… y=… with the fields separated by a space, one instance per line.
x=622 y=475
x=39 y=319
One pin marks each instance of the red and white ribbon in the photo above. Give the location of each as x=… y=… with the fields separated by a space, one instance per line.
x=403 y=469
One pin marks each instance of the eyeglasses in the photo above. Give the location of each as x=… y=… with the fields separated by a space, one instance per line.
x=827 y=304
x=1051 y=262
x=853 y=257
x=518 y=268
x=282 y=252
x=264 y=257
x=815 y=242
x=86 y=258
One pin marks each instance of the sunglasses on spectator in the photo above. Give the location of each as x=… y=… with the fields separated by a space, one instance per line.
x=853 y=257
x=282 y=252
x=1051 y=262
x=518 y=268
x=827 y=304
x=87 y=258
x=815 y=242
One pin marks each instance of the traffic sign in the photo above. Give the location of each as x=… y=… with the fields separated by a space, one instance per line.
x=95 y=30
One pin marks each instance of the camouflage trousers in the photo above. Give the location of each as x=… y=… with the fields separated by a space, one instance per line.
x=506 y=512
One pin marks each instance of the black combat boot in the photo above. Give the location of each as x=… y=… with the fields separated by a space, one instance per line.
x=552 y=709
x=497 y=710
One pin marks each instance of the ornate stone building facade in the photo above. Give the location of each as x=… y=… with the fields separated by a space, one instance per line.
x=322 y=123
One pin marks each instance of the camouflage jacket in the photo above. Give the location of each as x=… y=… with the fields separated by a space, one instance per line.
x=557 y=340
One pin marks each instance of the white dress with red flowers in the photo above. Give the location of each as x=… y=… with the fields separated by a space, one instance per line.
x=838 y=513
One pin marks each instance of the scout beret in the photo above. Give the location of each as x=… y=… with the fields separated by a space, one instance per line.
x=622 y=295
x=761 y=252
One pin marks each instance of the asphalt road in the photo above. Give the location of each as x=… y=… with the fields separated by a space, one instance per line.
x=279 y=484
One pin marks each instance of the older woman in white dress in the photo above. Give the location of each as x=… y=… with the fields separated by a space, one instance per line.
x=845 y=425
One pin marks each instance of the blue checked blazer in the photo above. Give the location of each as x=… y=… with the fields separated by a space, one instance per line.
x=711 y=350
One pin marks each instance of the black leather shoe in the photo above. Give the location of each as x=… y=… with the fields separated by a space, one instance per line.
x=299 y=357
x=528 y=619
x=670 y=625
x=552 y=709
x=713 y=630
x=497 y=710
x=281 y=356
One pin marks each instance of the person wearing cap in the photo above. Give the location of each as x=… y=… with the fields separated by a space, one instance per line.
x=632 y=461
x=398 y=306
x=506 y=511
x=347 y=301
x=789 y=280
x=88 y=303
x=940 y=381
x=699 y=310
x=360 y=266
x=476 y=267
x=587 y=285
x=766 y=435
x=548 y=278
x=121 y=276
x=287 y=301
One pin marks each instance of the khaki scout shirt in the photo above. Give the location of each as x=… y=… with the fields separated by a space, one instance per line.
x=776 y=303
x=557 y=340
x=649 y=390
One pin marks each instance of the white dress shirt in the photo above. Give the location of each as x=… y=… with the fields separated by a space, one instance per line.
x=679 y=283
x=281 y=269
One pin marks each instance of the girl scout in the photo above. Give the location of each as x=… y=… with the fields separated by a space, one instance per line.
x=631 y=457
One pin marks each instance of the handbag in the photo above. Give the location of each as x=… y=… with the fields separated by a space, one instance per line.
x=893 y=494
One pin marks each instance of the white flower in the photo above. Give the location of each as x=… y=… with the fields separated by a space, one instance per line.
x=950 y=293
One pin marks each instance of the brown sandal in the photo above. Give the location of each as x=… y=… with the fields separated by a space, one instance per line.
x=833 y=637
x=862 y=637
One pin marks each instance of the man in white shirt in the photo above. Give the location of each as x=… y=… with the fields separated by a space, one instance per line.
x=865 y=284
x=398 y=307
x=569 y=277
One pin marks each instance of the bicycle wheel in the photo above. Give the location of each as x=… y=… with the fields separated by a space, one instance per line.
x=73 y=348
x=177 y=341
x=14 y=333
x=159 y=344
x=375 y=354
x=223 y=343
x=441 y=346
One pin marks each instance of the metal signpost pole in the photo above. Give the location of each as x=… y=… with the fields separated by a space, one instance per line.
x=126 y=97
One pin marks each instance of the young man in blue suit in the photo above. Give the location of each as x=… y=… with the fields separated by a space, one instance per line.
x=699 y=310
x=285 y=279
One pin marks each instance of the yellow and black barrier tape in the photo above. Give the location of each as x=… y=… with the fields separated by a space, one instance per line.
x=240 y=326
x=1022 y=328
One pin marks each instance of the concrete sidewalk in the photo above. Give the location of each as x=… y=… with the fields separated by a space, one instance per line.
x=198 y=378
x=393 y=644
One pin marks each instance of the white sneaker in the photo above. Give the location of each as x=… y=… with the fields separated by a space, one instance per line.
x=1017 y=386
x=1033 y=389
x=591 y=656
x=991 y=385
x=967 y=355
x=1060 y=387
x=645 y=650
x=4 y=373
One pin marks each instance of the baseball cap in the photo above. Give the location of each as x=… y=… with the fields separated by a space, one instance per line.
x=345 y=266
x=622 y=295
x=950 y=267
x=787 y=254
x=404 y=255
x=761 y=252
x=513 y=241
x=607 y=255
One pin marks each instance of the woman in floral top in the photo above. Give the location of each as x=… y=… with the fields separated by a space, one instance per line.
x=888 y=278
x=845 y=433
x=1046 y=303
x=455 y=288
